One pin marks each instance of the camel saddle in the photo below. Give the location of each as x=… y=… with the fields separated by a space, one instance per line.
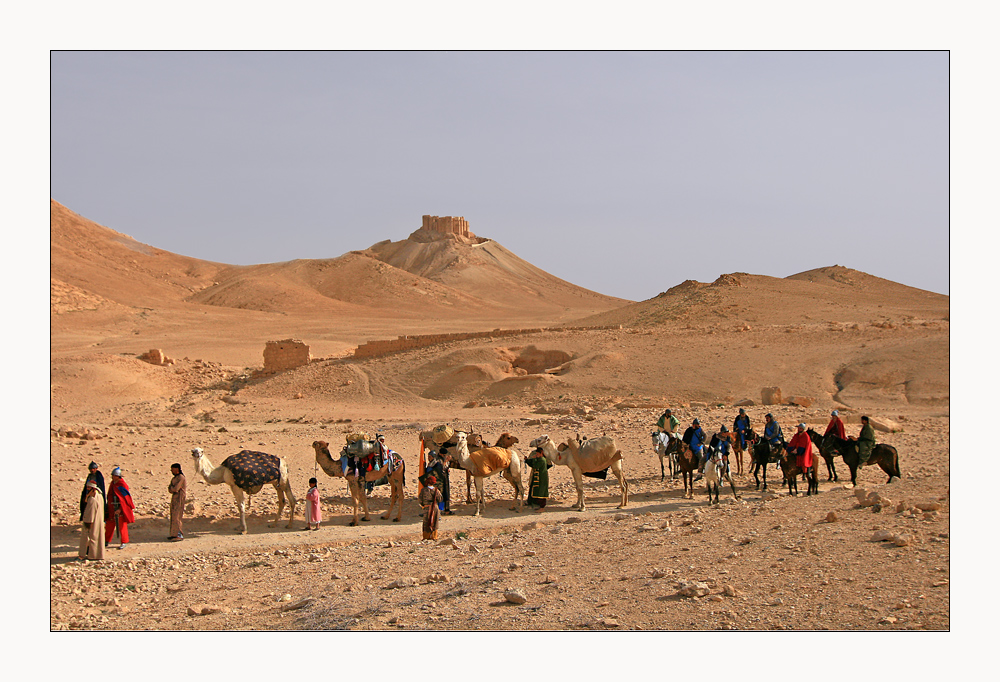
x=253 y=470
x=488 y=460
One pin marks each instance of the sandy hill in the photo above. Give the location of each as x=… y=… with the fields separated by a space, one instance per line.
x=832 y=294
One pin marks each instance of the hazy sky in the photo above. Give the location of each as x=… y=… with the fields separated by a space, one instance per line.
x=623 y=172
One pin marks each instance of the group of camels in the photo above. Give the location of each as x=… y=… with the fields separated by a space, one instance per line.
x=247 y=471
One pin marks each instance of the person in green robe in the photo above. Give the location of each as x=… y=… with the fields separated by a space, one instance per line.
x=866 y=442
x=538 y=488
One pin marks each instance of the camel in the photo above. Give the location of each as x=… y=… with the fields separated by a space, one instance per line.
x=397 y=479
x=505 y=441
x=596 y=454
x=249 y=471
x=668 y=451
x=462 y=452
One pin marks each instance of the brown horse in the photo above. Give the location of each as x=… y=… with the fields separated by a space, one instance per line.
x=688 y=463
x=882 y=454
x=791 y=470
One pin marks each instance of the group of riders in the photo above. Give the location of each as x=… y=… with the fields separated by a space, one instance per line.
x=800 y=445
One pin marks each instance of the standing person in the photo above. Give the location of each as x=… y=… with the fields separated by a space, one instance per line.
x=97 y=477
x=836 y=427
x=178 y=495
x=91 y=546
x=438 y=467
x=866 y=442
x=314 y=513
x=120 y=508
x=430 y=498
x=538 y=488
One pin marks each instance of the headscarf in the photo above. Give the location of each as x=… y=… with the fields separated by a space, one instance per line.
x=431 y=480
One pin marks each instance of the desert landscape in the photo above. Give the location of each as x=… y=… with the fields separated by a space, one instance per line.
x=155 y=353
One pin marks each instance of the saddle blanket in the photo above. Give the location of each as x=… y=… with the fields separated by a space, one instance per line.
x=252 y=470
x=488 y=460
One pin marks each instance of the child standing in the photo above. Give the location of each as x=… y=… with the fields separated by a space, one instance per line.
x=314 y=514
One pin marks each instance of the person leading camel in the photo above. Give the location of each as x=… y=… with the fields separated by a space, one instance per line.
x=178 y=495
x=120 y=508
x=430 y=498
x=836 y=426
x=91 y=546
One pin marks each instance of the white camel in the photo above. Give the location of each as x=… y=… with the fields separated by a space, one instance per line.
x=462 y=451
x=249 y=471
x=596 y=454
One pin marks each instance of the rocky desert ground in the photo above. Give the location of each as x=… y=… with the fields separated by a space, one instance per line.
x=875 y=558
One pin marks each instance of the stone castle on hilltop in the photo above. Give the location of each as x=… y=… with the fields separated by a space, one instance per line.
x=447 y=225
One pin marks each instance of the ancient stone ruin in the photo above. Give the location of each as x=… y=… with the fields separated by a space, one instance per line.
x=156 y=356
x=447 y=224
x=286 y=354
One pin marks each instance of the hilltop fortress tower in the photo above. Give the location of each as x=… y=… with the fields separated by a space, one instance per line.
x=447 y=225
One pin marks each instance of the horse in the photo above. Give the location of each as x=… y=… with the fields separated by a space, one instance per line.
x=687 y=461
x=883 y=454
x=716 y=470
x=670 y=450
x=738 y=450
x=762 y=454
x=824 y=451
x=791 y=470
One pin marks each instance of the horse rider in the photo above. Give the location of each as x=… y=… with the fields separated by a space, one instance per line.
x=668 y=424
x=772 y=431
x=836 y=426
x=698 y=446
x=740 y=426
x=866 y=442
x=801 y=446
x=725 y=438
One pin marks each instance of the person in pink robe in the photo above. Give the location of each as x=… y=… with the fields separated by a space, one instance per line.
x=314 y=513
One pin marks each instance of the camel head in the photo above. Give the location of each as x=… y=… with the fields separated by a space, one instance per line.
x=545 y=445
x=321 y=446
x=475 y=440
x=506 y=440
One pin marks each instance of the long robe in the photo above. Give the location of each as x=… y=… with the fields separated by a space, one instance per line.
x=178 y=496
x=429 y=498
x=538 y=487
x=98 y=478
x=314 y=513
x=120 y=509
x=866 y=441
x=836 y=427
x=802 y=440
x=92 y=539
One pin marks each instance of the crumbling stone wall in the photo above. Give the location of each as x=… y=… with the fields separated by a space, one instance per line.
x=447 y=224
x=285 y=354
x=375 y=348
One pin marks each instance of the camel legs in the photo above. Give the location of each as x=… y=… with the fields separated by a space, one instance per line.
x=359 y=498
x=619 y=472
x=241 y=507
x=395 y=493
x=281 y=506
x=479 y=495
x=513 y=476
x=578 y=480
x=468 y=487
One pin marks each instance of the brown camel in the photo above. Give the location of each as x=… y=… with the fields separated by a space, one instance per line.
x=397 y=479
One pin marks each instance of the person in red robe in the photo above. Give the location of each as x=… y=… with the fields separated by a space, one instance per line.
x=120 y=508
x=801 y=446
x=835 y=426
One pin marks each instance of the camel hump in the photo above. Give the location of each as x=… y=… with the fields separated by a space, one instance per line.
x=488 y=460
x=252 y=469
